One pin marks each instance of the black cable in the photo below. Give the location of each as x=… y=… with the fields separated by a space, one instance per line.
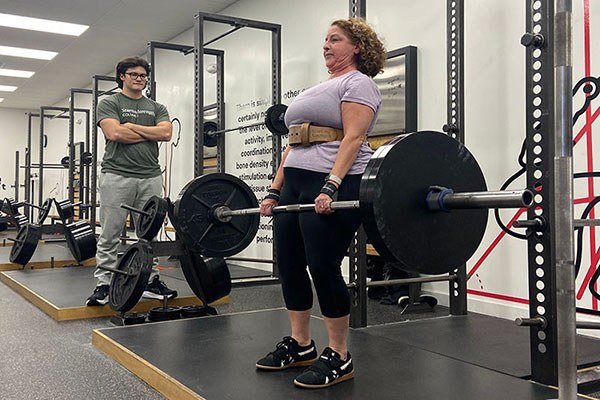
x=172 y=149
x=511 y=179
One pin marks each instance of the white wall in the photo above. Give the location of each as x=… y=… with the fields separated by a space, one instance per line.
x=12 y=138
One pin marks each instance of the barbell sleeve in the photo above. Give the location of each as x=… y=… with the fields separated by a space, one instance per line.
x=442 y=199
x=116 y=271
x=215 y=133
x=135 y=210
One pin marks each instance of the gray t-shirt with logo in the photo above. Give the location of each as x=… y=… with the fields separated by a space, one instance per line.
x=139 y=160
x=322 y=105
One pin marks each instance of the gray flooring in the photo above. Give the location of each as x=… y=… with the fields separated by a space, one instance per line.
x=46 y=359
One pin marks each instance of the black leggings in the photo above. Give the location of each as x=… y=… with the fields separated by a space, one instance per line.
x=319 y=241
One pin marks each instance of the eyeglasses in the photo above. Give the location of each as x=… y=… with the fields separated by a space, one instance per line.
x=135 y=75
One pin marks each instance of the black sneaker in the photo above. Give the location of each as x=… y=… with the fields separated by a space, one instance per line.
x=99 y=297
x=328 y=370
x=288 y=353
x=156 y=289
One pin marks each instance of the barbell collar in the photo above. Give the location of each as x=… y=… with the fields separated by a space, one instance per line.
x=445 y=200
x=135 y=210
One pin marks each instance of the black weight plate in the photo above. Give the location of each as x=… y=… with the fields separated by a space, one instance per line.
x=65 y=161
x=200 y=231
x=9 y=206
x=64 y=209
x=164 y=314
x=125 y=291
x=275 y=119
x=210 y=138
x=149 y=225
x=3 y=226
x=44 y=210
x=81 y=240
x=193 y=311
x=25 y=244
x=209 y=278
x=134 y=318
x=392 y=201
x=86 y=158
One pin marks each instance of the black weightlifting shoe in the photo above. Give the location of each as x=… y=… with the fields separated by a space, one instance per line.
x=288 y=353
x=328 y=370
x=156 y=289
x=99 y=297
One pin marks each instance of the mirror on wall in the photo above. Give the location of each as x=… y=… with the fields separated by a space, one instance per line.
x=398 y=86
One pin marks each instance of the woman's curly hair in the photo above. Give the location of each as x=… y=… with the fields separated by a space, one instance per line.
x=372 y=55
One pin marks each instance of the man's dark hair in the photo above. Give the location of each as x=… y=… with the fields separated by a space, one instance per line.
x=130 y=62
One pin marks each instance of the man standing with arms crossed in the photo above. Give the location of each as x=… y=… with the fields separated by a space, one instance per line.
x=132 y=125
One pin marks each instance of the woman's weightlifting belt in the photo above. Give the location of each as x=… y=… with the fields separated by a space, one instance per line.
x=307 y=134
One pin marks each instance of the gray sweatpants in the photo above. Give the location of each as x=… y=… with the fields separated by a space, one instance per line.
x=114 y=191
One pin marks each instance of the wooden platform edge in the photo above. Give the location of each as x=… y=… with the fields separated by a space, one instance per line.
x=47 y=264
x=160 y=381
x=31 y=296
x=85 y=312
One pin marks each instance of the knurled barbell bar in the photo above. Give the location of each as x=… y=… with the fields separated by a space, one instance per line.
x=451 y=201
x=274 y=120
x=402 y=199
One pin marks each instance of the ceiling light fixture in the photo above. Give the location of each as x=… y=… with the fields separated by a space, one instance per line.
x=16 y=73
x=27 y=53
x=6 y=88
x=42 y=25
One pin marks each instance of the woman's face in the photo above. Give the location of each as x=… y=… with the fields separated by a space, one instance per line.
x=338 y=50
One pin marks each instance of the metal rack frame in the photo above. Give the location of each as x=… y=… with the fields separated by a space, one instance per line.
x=70 y=116
x=186 y=49
x=199 y=52
x=84 y=170
x=96 y=93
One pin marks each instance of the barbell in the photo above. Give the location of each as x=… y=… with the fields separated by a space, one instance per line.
x=274 y=120
x=423 y=201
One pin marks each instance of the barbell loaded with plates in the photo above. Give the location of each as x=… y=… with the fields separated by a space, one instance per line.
x=423 y=201
x=86 y=159
x=11 y=208
x=274 y=121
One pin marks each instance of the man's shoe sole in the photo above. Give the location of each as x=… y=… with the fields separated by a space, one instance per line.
x=340 y=379
x=305 y=363
x=96 y=303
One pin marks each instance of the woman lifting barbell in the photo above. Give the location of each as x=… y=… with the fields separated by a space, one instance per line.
x=325 y=158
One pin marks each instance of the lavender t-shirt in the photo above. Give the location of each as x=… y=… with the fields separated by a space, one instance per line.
x=322 y=105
